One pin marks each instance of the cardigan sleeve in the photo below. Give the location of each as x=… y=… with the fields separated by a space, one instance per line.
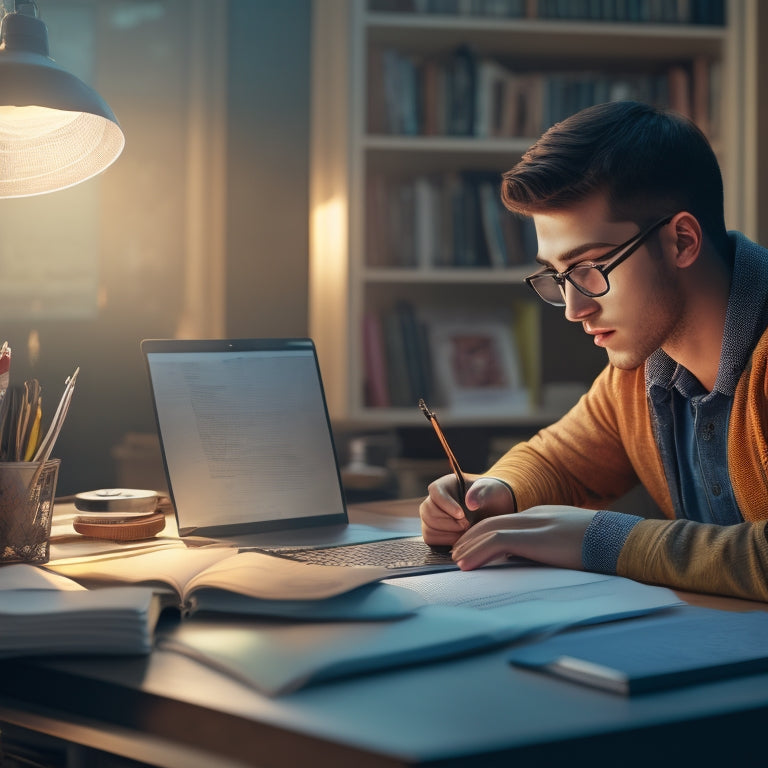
x=699 y=557
x=581 y=460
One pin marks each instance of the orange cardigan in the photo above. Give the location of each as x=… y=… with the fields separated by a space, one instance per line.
x=604 y=445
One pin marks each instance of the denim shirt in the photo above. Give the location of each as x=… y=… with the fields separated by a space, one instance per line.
x=691 y=424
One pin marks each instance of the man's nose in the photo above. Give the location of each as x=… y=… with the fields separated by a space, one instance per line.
x=577 y=305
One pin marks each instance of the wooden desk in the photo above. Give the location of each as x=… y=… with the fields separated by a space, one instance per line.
x=167 y=710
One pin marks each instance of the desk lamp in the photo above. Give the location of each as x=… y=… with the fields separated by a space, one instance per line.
x=55 y=131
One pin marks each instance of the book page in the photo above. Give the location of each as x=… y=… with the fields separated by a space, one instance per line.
x=248 y=573
x=172 y=568
x=276 y=578
x=20 y=576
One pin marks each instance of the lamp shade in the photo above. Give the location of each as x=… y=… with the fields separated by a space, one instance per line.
x=55 y=131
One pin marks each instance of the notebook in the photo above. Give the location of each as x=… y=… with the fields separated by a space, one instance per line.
x=685 y=646
x=249 y=454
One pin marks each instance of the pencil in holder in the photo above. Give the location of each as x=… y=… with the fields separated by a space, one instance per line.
x=27 y=492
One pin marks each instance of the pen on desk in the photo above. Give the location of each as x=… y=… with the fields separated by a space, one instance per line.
x=452 y=460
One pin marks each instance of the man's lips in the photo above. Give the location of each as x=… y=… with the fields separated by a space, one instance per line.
x=600 y=335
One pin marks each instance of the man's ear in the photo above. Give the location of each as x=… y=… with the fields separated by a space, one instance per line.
x=688 y=238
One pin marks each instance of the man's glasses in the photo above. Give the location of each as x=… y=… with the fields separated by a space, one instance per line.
x=587 y=277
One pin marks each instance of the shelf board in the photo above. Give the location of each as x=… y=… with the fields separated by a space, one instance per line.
x=466 y=145
x=540 y=38
x=434 y=275
x=381 y=418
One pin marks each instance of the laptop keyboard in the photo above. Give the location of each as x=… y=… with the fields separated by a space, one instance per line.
x=391 y=553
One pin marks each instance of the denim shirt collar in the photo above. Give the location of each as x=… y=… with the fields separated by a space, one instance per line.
x=745 y=321
x=746 y=318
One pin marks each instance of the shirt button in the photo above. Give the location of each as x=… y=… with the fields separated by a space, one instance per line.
x=709 y=431
x=716 y=489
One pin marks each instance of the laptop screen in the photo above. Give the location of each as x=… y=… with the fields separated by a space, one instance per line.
x=245 y=434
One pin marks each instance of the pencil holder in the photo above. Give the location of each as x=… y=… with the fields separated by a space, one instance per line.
x=27 y=491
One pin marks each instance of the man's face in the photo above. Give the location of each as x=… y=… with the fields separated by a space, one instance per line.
x=644 y=308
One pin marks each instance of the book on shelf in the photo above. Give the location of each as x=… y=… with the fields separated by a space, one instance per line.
x=492 y=229
x=494 y=8
x=507 y=242
x=468 y=95
x=632 y=11
x=405 y=372
x=427 y=221
x=461 y=91
x=434 y=89
x=701 y=107
x=377 y=233
x=223 y=579
x=401 y=392
x=45 y=613
x=375 y=362
x=710 y=12
x=453 y=219
x=417 y=351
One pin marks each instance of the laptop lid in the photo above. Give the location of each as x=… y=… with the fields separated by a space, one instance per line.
x=245 y=435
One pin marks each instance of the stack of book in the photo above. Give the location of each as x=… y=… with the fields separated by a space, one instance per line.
x=471 y=364
x=444 y=220
x=633 y=11
x=464 y=94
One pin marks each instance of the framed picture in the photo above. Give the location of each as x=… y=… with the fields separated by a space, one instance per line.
x=476 y=365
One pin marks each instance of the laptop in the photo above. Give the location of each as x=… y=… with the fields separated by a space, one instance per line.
x=249 y=455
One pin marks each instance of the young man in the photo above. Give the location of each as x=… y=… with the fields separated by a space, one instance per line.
x=628 y=207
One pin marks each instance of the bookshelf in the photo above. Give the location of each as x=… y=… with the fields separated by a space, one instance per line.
x=396 y=263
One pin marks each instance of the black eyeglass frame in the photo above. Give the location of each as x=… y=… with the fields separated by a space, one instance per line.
x=631 y=245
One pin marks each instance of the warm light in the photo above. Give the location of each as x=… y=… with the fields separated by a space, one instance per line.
x=328 y=289
x=33 y=122
x=55 y=131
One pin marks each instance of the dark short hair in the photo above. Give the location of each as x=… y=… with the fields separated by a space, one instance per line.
x=648 y=162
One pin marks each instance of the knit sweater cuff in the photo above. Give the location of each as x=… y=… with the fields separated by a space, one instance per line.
x=603 y=540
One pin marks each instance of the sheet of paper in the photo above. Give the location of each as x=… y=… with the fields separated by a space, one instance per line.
x=279 y=657
x=469 y=612
x=539 y=598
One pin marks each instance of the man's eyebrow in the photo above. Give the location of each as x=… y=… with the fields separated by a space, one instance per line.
x=575 y=253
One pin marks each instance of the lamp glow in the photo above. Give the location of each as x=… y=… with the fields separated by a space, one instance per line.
x=55 y=131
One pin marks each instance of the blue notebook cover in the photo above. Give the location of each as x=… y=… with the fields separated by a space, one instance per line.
x=680 y=647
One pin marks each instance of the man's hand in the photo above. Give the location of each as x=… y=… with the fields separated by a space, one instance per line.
x=551 y=534
x=443 y=520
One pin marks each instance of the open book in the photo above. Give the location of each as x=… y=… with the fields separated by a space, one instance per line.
x=224 y=580
x=42 y=613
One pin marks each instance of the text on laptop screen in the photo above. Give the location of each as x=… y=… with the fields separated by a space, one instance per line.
x=245 y=436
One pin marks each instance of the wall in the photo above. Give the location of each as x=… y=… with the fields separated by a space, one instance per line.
x=137 y=213
x=268 y=187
